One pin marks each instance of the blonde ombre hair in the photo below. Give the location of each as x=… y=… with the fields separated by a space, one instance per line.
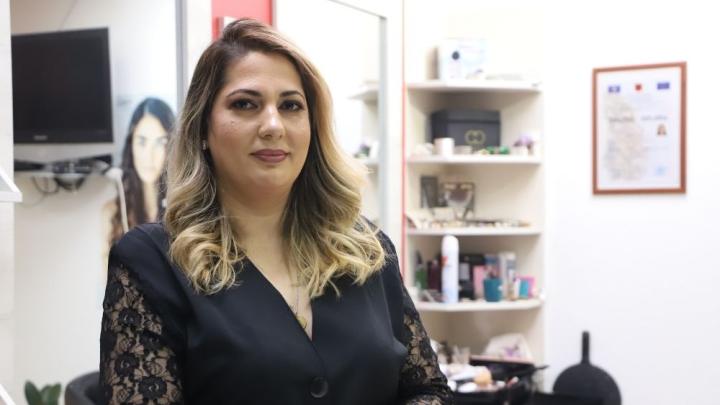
x=324 y=233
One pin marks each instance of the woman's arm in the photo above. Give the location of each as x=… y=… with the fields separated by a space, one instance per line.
x=137 y=364
x=421 y=381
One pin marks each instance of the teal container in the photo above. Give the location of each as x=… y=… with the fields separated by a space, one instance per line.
x=493 y=289
x=524 y=289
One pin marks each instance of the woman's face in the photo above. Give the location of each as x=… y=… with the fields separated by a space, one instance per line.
x=148 y=147
x=259 y=129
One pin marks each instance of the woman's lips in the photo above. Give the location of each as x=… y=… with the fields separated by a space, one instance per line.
x=270 y=156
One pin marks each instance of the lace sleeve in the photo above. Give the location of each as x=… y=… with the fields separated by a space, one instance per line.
x=136 y=364
x=421 y=381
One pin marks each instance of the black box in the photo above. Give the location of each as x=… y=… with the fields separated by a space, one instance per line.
x=477 y=128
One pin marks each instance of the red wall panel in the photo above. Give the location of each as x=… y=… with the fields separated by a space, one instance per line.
x=258 y=9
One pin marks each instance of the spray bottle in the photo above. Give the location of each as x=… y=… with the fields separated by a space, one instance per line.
x=450 y=281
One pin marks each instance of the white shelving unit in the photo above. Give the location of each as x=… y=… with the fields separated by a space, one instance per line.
x=366 y=92
x=9 y=192
x=482 y=231
x=369 y=162
x=479 y=306
x=475 y=86
x=507 y=187
x=474 y=160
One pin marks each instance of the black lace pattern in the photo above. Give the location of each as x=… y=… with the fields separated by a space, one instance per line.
x=136 y=366
x=421 y=380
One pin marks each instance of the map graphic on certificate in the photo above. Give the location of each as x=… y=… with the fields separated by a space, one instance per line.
x=639 y=129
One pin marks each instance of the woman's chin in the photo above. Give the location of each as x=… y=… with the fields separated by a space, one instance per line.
x=271 y=186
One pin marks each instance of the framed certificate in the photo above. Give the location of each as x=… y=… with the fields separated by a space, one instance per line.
x=639 y=129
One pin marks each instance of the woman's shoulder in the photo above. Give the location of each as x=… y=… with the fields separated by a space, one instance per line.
x=382 y=237
x=390 y=270
x=146 y=242
x=143 y=252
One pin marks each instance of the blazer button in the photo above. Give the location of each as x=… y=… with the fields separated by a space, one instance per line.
x=318 y=387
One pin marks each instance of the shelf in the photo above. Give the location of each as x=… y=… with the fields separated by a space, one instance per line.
x=8 y=190
x=480 y=85
x=484 y=231
x=367 y=92
x=479 y=306
x=475 y=159
x=370 y=162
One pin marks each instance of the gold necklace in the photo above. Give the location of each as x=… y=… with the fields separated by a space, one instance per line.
x=301 y=319
x=296 y=309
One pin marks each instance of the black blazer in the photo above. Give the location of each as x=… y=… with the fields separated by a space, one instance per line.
x=160 y=339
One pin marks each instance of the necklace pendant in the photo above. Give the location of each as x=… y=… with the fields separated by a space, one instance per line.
x=301 y=320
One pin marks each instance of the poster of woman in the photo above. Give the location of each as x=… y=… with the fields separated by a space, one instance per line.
x=143 y=163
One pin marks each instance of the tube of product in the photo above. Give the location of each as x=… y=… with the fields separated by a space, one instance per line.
x=450 y=280
x=478 y=277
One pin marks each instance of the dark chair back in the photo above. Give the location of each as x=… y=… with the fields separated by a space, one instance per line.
x=84 y=390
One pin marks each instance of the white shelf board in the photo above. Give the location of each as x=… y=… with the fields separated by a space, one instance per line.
x=479 y=85
x=479 y=306
x=367 y=92
x=8 y=190
x=481 y=231
x=475 y=159
x=370 y=162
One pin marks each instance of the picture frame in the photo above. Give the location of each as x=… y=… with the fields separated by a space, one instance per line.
x=459 y=196
x=639 y=126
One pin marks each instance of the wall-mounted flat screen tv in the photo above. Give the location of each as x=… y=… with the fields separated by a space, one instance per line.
x=61 y=87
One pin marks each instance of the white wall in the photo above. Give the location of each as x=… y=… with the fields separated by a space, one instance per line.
x=59 y=240
x=639 y=272
x=7 y=267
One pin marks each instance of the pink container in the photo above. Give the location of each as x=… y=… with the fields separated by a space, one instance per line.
x=531 y=282
x=478 y=277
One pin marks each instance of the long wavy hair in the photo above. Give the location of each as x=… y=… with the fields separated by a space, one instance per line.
x=134 y=192
x=324 y=234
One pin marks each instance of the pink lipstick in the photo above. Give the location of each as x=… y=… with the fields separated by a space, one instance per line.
x=270 y=155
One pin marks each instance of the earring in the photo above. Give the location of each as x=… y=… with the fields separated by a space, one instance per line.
x=204 y=145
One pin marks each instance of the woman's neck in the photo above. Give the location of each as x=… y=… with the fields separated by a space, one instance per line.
x=257 y=219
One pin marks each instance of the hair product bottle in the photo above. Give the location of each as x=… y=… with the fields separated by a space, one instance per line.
x=450 y=281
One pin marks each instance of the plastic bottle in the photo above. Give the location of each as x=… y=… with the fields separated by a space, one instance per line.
x=434 y=276
x=450 y=281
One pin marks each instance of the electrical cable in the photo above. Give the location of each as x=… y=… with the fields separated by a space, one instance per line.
x=67 y=15
x=115 y=174
x=121 y=195
x=44 y=192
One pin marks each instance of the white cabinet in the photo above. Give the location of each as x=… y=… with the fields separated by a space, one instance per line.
x=507 y=187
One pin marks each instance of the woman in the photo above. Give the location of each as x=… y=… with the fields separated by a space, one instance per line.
x=143 y=160
x=263 y=285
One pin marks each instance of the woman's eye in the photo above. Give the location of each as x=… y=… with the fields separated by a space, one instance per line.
x=292 y=106
x=243 y=104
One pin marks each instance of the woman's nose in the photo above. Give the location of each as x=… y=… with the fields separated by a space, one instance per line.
x=271 y=124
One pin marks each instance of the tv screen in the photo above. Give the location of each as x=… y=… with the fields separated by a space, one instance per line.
x=61 y=87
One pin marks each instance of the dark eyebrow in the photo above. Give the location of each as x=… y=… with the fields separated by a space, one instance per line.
x=256 y=93
x=291 y=93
